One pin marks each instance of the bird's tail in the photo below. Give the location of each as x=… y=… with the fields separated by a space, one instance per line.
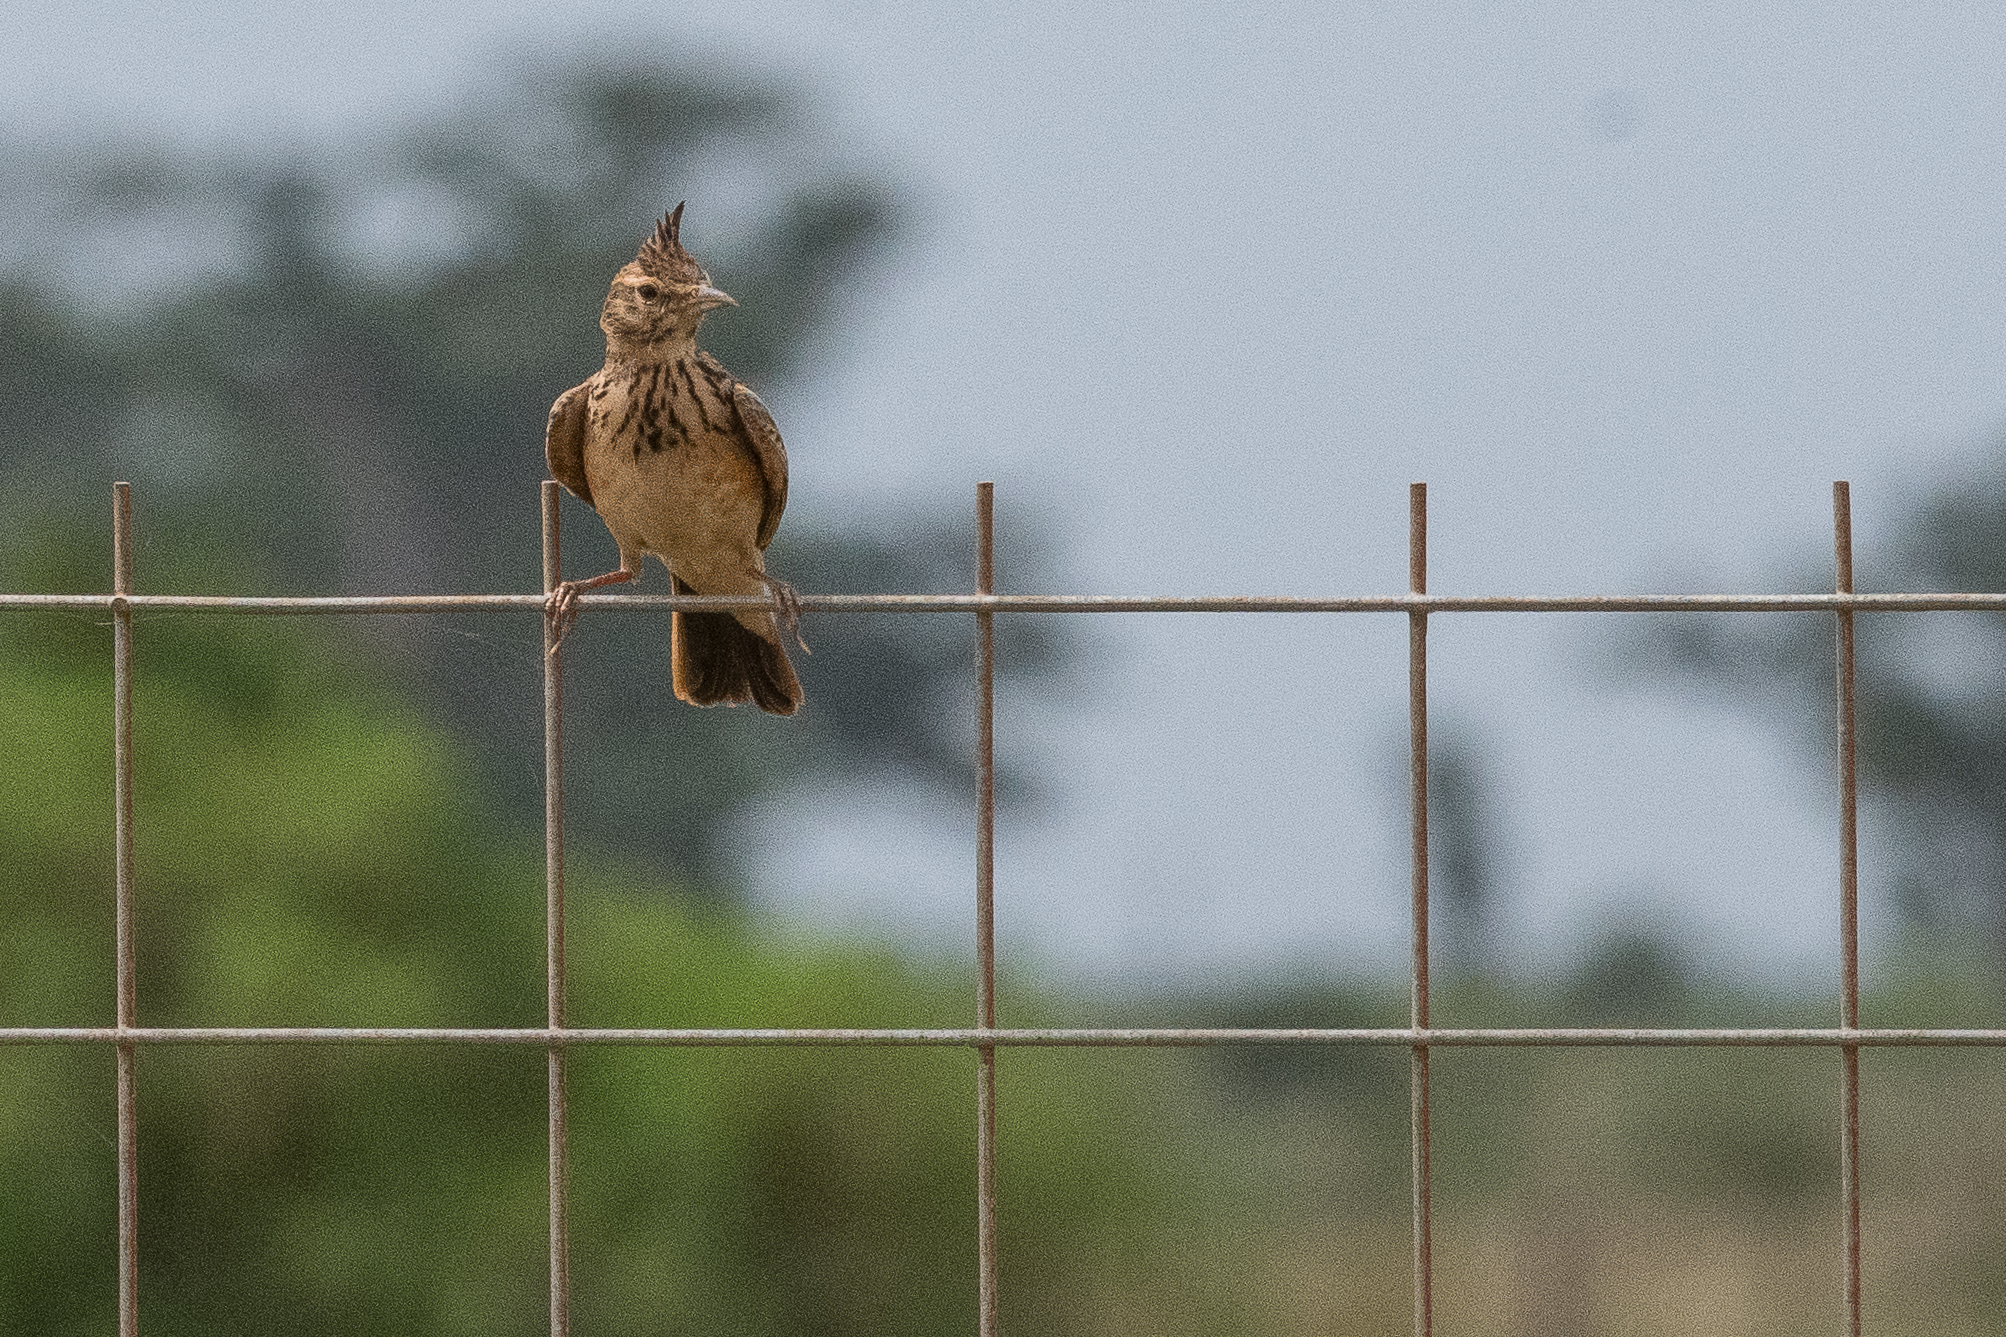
x=719 y=661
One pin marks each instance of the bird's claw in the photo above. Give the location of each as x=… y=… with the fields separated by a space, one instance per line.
x=561 y=607
x=789 y=606
x=561 y=604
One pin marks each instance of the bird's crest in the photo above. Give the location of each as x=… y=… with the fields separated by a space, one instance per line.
x=663 y=256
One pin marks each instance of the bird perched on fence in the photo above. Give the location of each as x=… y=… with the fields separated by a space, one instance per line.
x=681 y=460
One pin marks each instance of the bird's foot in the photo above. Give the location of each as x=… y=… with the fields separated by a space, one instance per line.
x=789 y=605
x=561 y=607
x=561 y=604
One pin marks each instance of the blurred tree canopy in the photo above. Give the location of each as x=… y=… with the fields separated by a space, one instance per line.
x=327 y=371
x=1464 y=831
x=1932 y=730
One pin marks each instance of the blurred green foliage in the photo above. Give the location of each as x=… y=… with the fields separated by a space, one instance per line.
x=310 y=853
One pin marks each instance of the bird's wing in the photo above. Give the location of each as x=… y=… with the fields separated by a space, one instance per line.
x=564 y=441
x=764 y=438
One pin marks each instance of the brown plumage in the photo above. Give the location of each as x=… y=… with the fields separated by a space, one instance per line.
x=681 y=460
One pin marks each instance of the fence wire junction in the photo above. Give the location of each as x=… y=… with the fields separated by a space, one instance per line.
x=125 y=1036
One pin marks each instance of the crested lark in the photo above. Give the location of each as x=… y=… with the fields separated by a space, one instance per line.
x=681 y=460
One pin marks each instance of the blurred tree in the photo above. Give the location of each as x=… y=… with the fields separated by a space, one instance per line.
x=1932 y=733
x=1466 y=835
x=329 y=373
x=1631 y=976
x=1463 y=835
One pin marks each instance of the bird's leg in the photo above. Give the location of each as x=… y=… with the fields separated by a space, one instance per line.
x=788 y=604
x=562 y=603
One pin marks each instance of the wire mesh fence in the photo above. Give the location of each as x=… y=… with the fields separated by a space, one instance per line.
x=126 y=1036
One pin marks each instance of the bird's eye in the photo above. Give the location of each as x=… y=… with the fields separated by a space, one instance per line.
x=647 y=292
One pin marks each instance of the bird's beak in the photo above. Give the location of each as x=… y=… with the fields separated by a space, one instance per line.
x=708 y=297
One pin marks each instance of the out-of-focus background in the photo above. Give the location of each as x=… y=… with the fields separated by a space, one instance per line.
x=1202 y=290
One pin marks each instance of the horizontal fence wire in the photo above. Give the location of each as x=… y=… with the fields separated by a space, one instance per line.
x=986 y=1038
x=976 y=1037
x=1032 y=603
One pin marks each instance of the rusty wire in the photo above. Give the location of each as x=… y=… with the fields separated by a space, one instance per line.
x=292 y=605
x=553 y=929
x=985 y=1038
x=1849 y=903
x=1421 y=1148
x=1005 y=1037
x=125 y=949
x=988 y=1311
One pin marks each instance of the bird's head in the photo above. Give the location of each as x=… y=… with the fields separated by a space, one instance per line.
x=660 y=297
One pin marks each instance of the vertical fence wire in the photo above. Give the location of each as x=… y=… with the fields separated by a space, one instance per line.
x=988 y=1315
x=1417 y=741
x=128 y=991
x=1849 y=904
x=553 y=928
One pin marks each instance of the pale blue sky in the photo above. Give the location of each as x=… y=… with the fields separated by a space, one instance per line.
x=1628 y=284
